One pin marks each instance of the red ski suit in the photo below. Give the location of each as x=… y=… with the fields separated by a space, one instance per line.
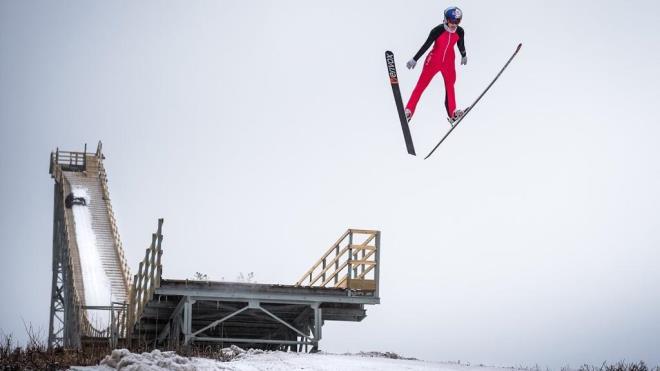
x=440 y=59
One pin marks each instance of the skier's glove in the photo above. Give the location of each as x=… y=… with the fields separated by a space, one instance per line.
x=411 y=64
x=464 y=60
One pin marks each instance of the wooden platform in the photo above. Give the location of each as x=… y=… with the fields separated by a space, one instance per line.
x=255 y=315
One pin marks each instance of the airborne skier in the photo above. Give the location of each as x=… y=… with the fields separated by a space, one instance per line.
x=440 y=59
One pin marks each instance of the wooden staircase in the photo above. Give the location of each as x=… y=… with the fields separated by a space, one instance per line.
x=101 y=225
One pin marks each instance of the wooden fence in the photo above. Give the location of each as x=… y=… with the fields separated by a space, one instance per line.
x=350 y=263
x=147 y=280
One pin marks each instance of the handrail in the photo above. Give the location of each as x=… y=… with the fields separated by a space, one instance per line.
x=103 y=177
x=69 y=160
x=119 y=327
x=147 y=280
x=354 y=265
x=310 y=270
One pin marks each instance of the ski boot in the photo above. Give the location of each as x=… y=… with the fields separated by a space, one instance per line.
x=408 y=114
x=457 y=115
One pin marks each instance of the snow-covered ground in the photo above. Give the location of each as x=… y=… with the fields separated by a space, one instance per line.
x=98 y=291
x=272 y=361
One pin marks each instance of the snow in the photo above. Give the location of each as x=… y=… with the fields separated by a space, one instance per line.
x=254 y=360
x=98 y=291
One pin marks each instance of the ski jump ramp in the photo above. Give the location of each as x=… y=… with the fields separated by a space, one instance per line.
x=95 y=299
x=91 y=280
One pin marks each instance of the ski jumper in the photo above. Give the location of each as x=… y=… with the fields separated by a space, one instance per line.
x=440 y=59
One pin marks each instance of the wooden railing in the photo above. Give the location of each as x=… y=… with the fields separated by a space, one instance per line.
x=68 y=161
x=103 y=177
x=147 y=280
x=350 y=263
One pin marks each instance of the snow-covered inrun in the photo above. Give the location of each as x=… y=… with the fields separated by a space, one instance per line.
x=254 y=360
x=98 y=291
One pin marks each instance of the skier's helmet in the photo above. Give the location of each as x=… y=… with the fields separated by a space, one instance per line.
x=453 y=14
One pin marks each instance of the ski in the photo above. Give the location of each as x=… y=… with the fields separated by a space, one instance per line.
x=473 y=104
x=394 y=81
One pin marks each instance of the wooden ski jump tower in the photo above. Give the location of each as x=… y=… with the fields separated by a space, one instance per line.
x=69 y=323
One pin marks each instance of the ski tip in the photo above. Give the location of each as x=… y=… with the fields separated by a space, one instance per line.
x=518 y=48
x=387 y=52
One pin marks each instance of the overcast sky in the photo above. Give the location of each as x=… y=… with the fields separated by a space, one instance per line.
x=261 y=130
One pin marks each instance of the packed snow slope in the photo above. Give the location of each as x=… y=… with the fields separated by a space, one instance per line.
x=98 y=290
x=237 y=359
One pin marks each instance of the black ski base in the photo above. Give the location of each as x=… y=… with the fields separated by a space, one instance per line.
x=394 y=81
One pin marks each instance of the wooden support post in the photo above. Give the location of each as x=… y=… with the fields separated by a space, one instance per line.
x=336 y=264
x=323 y=275
x=113 y=324
x=138 y=290
x=377 y=269
x=350 y=265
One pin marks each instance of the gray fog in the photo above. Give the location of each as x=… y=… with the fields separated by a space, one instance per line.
x=261 y=130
